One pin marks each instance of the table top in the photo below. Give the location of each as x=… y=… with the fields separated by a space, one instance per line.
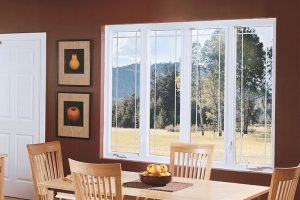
x=201 y=189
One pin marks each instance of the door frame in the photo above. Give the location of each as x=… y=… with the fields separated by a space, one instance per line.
x=41 y=36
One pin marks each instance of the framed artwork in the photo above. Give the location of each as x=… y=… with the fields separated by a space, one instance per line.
x=73 y=111
x=74 y=68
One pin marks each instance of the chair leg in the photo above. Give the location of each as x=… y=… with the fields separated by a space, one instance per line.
x=50 y=194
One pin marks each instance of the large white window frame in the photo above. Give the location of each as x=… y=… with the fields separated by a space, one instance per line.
x=230 y=86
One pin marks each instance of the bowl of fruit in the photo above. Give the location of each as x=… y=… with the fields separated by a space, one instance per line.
x=156 y=175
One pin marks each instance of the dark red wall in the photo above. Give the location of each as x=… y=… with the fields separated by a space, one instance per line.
x=82 y=19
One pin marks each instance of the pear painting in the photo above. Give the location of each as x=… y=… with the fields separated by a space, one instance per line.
x=74 y=62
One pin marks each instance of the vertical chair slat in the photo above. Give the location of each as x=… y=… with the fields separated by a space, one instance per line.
x=172 y=160
x=201 y=166
x=178 y=164
x=191 y=165
x=205 y=165
x=288 y=185
x=110 y=186
x=187 y=165
x=182 y=164
x=54 y=165
x=84 y=194
x=99 y=188
x=282 y=189
x=42 y=171
x=196 y=166
x=57 y=164
x=89 y=188
x=44 y=166
x=94 y=191
x=290 y=189
x=104 y=188
x=294 y=188
x=279 y=191
x=287 y=189
x=51 y=165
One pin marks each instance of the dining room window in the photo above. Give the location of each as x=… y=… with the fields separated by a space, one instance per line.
x=206 y=82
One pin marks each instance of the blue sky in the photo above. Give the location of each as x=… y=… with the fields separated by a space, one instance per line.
x=165 y=46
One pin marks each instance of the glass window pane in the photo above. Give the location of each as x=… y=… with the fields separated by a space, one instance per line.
x=254 y=95
x=125 y=92
x=164 y=91
x=207 y=89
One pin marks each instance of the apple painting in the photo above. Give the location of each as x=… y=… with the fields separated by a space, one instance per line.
x=73 y=113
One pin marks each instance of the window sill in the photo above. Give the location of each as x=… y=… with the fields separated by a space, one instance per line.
x=251 y=168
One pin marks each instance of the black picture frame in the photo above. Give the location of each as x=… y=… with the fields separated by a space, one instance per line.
x=66 y=128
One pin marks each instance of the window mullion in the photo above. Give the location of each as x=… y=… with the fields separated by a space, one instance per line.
x=145 y=93
x=230 y=94
x=185 y=82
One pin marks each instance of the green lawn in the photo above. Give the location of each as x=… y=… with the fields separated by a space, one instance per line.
x=252 y=149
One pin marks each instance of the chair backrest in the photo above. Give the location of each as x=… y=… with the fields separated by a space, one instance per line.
x=191 y=160
x=46 y=164
x=96 y=181
x=284 y=183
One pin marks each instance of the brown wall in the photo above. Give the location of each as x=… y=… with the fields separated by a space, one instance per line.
x=82 y=19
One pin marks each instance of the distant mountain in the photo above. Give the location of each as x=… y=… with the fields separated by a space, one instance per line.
x=125 y=78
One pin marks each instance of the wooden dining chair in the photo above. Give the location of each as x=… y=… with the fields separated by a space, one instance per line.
x=96 y=181
x=284 y=183
x=191 y=160
x=46 y=164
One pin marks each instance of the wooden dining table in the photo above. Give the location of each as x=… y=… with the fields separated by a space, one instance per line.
x=200 y=190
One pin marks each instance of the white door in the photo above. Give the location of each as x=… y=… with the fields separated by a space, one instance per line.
x=22 y=106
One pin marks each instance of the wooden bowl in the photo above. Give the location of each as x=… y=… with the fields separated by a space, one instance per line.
x=155 y=180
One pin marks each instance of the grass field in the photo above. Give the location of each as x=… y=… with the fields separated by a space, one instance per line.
x=251 y=148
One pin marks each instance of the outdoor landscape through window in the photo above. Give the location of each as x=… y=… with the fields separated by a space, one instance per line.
x=251 y=62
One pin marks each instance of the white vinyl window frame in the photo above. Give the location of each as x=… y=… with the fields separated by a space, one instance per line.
x=230 y=27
